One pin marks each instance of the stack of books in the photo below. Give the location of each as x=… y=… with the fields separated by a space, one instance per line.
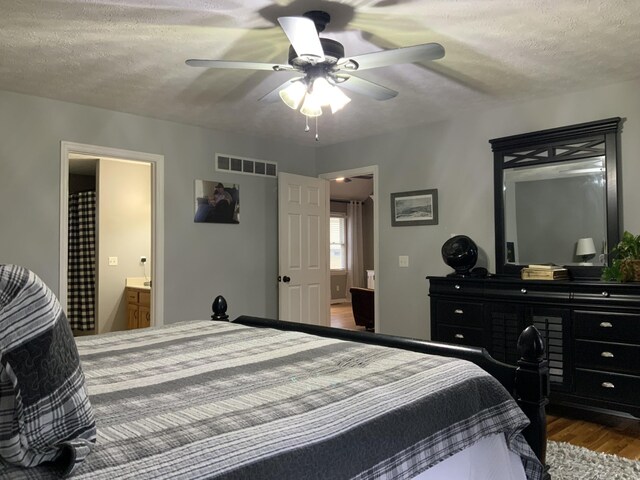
x=544 y=272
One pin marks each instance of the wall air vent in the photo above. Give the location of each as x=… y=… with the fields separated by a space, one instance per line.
x=245 y=166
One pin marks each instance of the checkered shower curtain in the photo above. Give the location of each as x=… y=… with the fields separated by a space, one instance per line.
x=82 y=256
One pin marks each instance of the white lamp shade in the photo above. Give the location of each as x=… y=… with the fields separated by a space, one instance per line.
x=585 y=247
x=293 y=94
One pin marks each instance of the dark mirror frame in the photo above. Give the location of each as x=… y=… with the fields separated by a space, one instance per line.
x=542 y=148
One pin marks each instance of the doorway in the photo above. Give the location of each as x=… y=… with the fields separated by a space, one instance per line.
x=115 y=263
x=358 y=185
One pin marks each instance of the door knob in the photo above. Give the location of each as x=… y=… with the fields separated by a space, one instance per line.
x=286 y=279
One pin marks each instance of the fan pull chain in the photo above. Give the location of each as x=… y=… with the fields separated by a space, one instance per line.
x=306 y=123
x=317 y=138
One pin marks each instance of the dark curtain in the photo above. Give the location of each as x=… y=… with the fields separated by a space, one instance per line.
x=82 y=259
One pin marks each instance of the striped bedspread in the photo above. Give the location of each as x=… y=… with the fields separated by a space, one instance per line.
x=205 y=399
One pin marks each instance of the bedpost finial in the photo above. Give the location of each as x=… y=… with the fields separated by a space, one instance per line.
x=531 y=345
x=219 y=307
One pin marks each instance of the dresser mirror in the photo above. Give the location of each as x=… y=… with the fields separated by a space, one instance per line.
x=556 y=198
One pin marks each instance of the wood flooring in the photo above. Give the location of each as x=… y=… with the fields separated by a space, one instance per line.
x=597 y=432
x=342 y=317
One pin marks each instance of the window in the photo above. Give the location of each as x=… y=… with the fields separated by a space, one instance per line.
x=337 y=243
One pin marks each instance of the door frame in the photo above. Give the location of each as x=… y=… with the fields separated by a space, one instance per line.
x=371 y=169
x=157 y=216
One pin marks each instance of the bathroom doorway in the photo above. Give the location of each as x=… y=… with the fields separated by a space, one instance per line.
x=110 y=239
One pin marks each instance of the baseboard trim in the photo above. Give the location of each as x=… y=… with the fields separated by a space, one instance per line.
x=338 y=300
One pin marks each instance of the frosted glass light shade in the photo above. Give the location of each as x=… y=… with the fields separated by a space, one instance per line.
x=329 y=95
x=321 y=89
x=338 y=99
x=292 y=95
x=321 y=93
x=311 y=106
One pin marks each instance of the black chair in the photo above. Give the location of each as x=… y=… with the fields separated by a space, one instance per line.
x=363 y=307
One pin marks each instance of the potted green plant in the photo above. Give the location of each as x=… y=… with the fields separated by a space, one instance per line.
x=625 y=266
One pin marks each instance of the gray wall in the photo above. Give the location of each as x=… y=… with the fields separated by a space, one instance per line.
x=455 y=157
x=201 y=260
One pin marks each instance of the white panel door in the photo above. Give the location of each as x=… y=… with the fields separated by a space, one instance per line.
x=303 y=237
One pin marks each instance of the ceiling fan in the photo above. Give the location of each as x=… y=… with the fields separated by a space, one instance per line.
x=323 y=67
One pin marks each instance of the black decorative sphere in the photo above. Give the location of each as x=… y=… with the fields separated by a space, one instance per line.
x=460 y=253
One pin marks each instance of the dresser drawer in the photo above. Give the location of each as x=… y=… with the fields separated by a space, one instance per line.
x=460 y=335
x=459 y=313
x=529 y=291
x=610 y=294
x=615 y=387
x=612 y=357
x=605 y=326
x=461 y=287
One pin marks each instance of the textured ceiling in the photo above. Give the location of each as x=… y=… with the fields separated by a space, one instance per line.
x=128 y=55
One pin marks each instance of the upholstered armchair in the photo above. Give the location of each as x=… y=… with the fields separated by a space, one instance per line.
x=363 y=307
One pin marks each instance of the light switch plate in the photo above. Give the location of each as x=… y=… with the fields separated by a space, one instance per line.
x=113 y=261
x=403 y=260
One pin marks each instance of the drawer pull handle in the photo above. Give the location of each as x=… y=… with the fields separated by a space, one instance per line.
x=456 y=286
x=459 y=311
x=606 y=324
x=459 y=335
x=605 y=294
x=606 y=354
x=608 y=385
x=523 y=290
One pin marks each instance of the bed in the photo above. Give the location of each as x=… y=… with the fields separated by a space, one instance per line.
x=261 y=398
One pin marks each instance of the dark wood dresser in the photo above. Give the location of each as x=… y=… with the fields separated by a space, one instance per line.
x=591 y=328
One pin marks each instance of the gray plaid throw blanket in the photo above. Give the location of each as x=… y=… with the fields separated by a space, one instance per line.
x=45 y=414
x=203 y=399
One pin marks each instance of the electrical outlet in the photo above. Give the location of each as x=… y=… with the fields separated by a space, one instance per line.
x=337 y=288
x=113 y=261
x=403 y=260
x=143 y=259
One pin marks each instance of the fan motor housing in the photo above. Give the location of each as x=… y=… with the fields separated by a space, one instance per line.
x=333 y=51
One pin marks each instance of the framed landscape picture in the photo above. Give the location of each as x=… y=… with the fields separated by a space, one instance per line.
x=419 y=207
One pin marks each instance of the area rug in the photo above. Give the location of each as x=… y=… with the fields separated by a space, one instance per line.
x=568 y=462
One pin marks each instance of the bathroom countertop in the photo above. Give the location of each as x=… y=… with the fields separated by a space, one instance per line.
x=137 y=282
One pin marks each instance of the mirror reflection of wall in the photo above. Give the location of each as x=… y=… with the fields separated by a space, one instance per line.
x=549 y=207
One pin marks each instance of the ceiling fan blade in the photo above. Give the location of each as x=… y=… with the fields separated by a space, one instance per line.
x=416 y=53
x=193 y=62
x=302 y=34
x=365 y=87
x=274 y=95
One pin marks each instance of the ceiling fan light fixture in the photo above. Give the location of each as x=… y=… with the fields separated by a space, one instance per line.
x=328 y=94
x=293 y=94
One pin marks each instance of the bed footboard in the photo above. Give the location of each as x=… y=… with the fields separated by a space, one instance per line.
x=528 y=382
